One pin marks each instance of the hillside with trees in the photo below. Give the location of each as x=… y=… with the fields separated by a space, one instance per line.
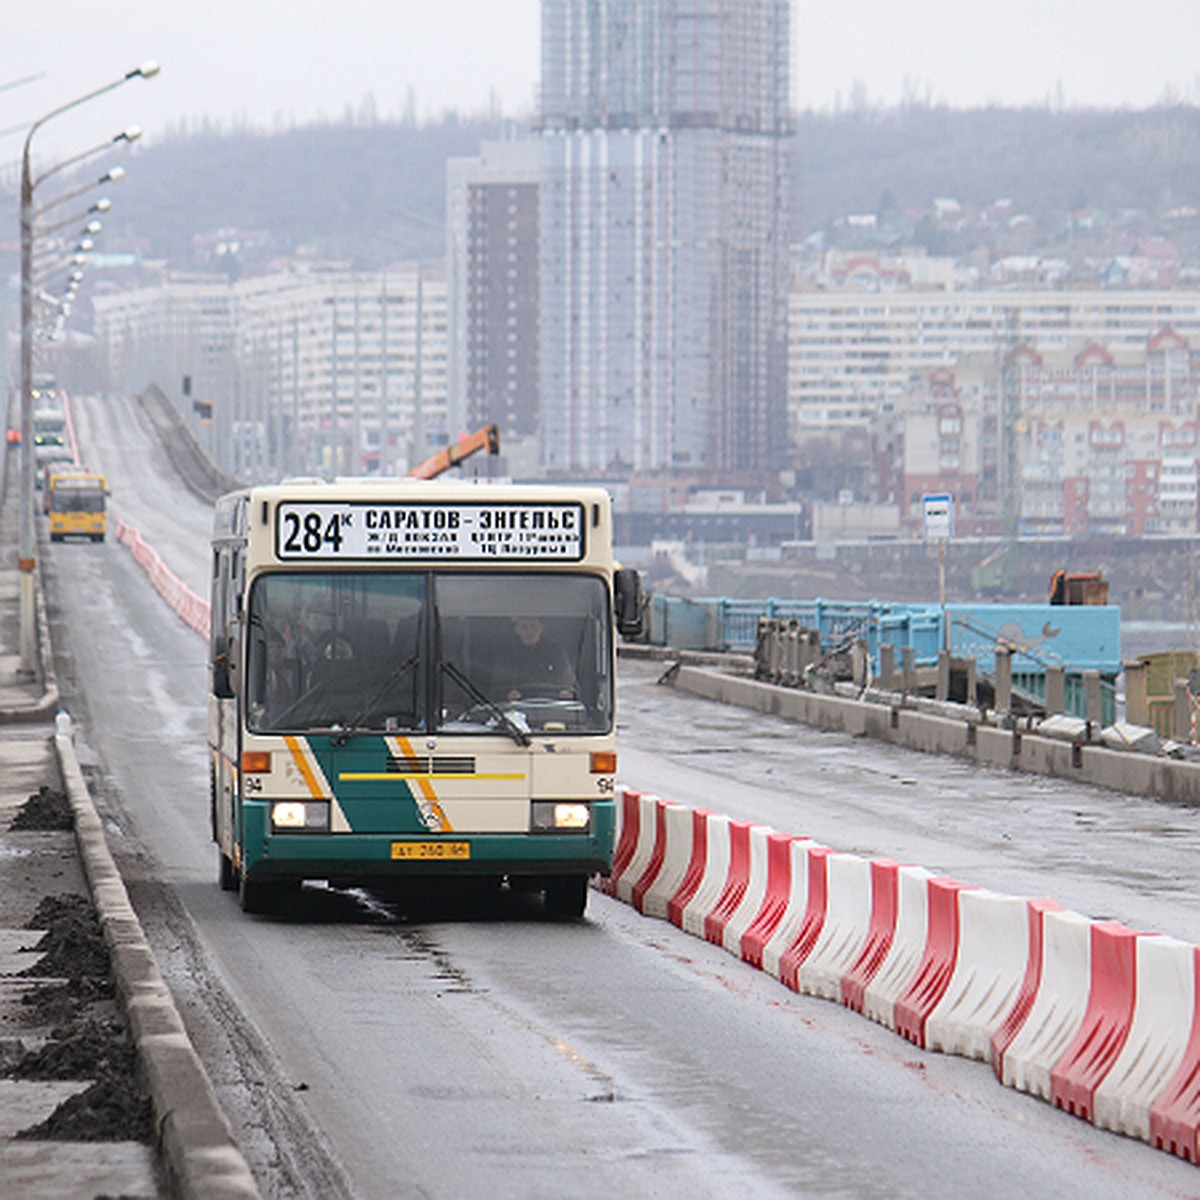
x=371 y=192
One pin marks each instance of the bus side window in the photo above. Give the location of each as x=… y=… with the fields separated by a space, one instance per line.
x=221 y=618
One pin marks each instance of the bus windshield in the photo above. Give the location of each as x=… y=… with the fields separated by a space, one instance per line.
x=76 y=500
x=456 y=652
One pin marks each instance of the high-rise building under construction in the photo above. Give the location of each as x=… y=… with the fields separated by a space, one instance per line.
x=664 y=235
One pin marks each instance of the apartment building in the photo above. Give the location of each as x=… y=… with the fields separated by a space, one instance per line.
x=306 y=369
x=851 y=354
x=663 y=235
x=1086 y=441
x=492 y=224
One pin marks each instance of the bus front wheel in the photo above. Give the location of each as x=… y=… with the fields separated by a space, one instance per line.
x=566 y=896
x=227 y=873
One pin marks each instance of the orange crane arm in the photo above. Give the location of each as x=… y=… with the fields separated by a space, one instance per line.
x=486 y=438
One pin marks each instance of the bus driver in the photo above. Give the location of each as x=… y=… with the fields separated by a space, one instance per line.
x=534 y=664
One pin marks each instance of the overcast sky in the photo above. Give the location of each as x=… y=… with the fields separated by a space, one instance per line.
x=272 y=62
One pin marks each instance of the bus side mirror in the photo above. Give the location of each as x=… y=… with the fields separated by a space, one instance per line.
x=219 y=670
x=627 y=602
x=224 y=667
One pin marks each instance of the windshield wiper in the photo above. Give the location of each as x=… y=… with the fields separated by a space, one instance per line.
x=354 y=725
x=519 y=735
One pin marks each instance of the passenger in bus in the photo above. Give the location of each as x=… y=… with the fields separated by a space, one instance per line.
x=315 y=637
x=282 y=672
x=534 y=664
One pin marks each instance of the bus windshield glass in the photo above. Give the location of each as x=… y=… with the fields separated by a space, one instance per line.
x=76 y=500
x=456 y=652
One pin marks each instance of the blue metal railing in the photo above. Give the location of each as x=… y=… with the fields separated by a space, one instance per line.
x=729 y=624
x=1083 y=637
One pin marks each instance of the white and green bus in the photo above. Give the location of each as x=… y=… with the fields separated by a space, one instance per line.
x=413 y=679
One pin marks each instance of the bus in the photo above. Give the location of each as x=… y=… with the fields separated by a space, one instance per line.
x=413 y=679
x=49 y=427
x=76 y=501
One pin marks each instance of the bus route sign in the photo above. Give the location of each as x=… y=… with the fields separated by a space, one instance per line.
x=938 y=513
x=463 y=531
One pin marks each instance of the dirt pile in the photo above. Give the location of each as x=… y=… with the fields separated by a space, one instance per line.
x=87 y=1038
x=47 y=809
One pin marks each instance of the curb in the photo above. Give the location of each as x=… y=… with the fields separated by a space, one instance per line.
x=201 y=1156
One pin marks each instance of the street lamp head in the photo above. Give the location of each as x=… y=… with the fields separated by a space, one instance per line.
x=113 y=176
x=93 y=227
x=128 y=135
x=101 y=205
x=146 y=71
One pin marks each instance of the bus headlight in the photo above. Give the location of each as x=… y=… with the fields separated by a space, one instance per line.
x=558 y=814
x=290 y=816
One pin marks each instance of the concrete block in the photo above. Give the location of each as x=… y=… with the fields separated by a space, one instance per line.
x=1124 y=736
x=1064 y=728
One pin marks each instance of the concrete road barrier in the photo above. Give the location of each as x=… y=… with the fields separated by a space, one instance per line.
x=899 y=967
x=791 y=925
x=993 y=950
x=846 y=925
x=650 y=872
x=1097 y=1019
x=773 y=903
x=629 y=828
x=718 y=852
x=881 y=933
x=1159 y=1034
x=1107 y=1019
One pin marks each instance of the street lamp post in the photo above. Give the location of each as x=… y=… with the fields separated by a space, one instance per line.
x=26 y=558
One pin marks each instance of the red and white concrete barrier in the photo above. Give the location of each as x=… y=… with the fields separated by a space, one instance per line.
x=192 y=609
x=1157 y=1043
x=1099 y=1020
x=992 y=953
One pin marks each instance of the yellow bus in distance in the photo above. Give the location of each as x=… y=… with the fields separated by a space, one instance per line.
x=77 y=504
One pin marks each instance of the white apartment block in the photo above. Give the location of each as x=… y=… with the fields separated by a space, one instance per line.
x=852 y=355
x=305 y=370
x=1086 y=441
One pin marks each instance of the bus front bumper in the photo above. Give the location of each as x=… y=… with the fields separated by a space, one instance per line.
x=335 y=856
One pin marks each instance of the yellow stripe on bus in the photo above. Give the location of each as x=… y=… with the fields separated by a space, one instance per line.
x=351 y=776
x=426 y=787
x=304 y=767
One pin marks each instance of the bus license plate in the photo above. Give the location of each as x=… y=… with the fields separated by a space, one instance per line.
x=431 y=850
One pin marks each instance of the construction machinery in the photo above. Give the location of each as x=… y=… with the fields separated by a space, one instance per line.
x=485 y=438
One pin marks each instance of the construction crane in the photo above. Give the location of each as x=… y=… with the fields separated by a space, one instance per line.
x=486 y=438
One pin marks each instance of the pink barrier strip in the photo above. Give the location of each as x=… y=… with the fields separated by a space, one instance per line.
x=884 y=902
x=657 y=856
x=194 y=611
x=937 y=963
x=627 y=838
x=648 y=807
x=775 y=900
x=736 y=882
x=678 y=824
x=1011 y=1026
x=1175 y=1116
x=1077 y=1074
x=791 y=960
x=695 y=872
